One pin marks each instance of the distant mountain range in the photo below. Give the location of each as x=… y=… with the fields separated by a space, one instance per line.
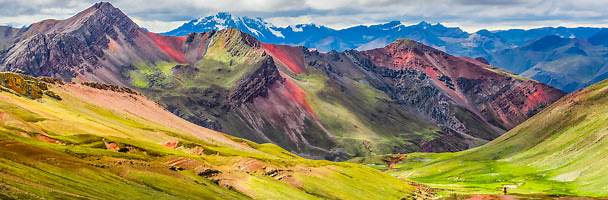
x=403 y=97
x=565 y=63
x=497 y=47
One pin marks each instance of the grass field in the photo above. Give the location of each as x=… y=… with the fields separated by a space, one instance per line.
x=100 y=144
x=560 y=151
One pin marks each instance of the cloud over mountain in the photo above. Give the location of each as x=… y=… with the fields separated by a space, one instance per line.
x=471 y=14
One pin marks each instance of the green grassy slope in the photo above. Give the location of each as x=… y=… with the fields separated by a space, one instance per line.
x=101 y=144
x=559 y=151
x=363 y=119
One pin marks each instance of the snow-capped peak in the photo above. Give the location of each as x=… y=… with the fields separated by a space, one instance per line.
x=224 y=20
x=300 y=27
x=424 y=25
x=296 y=28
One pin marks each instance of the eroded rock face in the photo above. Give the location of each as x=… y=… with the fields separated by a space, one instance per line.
x=414 y=88
x=471 y=102
x=69 y=47
x=256 y=84
x=23 y=85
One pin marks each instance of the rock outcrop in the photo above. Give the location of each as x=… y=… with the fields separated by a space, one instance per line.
x=256 y=84
x=69 y=47
x=27 y=86
x=471 y=101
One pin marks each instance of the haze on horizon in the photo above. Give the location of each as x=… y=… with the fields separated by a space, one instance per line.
x=471 y=15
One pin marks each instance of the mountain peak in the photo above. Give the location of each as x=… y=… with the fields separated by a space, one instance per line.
x=411 y=45
x=103 y=5
x=224 y=20
x=389 y=25
x=234 y=35
x=102 y=8
x=408 y=43
x=223 y=14
x=424 y=24
x=392 y=23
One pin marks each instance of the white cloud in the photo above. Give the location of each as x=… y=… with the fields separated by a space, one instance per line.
x=162 y=15
x=157 y=25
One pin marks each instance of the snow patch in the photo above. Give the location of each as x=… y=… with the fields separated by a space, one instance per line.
x=256 y=32
x=219 y=20
x=220 y=26
x=276 y=33
x=397 y=25
x=296 y=28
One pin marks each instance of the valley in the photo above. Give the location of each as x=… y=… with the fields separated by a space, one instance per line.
x=557 y=152
x=96 y=106
x=318 y=105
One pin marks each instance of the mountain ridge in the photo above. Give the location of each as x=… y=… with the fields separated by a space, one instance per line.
x=566 y=63
x=483 y=43
x=319 y=105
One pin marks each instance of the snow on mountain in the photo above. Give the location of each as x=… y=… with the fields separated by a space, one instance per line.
x=451 y=39
x=223 y=20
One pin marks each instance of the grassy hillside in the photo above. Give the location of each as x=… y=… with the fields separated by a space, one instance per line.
x=363 y=119
x=559 y=151
x=104 y=144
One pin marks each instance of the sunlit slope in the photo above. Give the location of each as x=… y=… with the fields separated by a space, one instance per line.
x=562 y=150
x=111 y=143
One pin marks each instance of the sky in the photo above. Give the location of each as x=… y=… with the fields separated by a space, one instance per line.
x=470 y=15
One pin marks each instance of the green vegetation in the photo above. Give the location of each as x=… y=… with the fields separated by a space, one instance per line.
x=227 y=60
x=560 y=151
x=144 y=76
x=78 y=148
x=363 y=119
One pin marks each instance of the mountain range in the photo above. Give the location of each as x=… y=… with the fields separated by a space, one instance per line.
x=550 y=66
x=400 y=98
x=96 y=107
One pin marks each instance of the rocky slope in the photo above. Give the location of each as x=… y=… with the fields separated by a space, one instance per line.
x=469 y=100
x=104 y=142
x=67 y=48
x=401 y=98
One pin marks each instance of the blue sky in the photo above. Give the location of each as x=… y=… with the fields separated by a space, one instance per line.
x=471 y=15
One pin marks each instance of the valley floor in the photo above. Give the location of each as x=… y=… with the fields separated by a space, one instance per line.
x=561 y=151
x=448 y=176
